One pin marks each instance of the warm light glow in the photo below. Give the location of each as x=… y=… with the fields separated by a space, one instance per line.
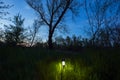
x=63 y=63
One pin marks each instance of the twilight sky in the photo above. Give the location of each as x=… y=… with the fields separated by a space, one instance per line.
x=76 y=26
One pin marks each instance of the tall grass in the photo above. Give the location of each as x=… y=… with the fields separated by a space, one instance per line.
x=42 y=64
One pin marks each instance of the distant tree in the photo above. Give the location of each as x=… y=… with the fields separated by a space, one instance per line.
x=1 y=34
x=52 y=13
x=76 y=42
x=71 y=43
x=101 y=14
x=115 y=36
x=34 y=30
x=86 y=42
x=111 y=36
x=59 y=40
x=68 y=41
x=15 y=33
x=104 y=39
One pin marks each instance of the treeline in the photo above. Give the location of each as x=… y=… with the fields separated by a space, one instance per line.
x=106 y=38
x=103 y=29
x=16 y=35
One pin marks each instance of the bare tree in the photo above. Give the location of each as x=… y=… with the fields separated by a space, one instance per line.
x=52 y=13
x=101 y=14
x=34 y=30
x=3 y=7
x=116 y=36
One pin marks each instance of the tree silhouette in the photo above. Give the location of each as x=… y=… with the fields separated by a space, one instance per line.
x=34 y=30
x=52 y=13
x=3 y=7
x=14 y=34
x=101 y=14
x=3 y=12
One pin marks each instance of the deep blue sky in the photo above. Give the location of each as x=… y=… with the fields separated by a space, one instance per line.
x=76 y=27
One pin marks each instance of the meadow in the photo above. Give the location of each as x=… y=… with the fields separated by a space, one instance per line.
x=21 y=63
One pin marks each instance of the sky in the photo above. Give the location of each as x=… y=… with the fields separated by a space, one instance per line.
x=75 y=27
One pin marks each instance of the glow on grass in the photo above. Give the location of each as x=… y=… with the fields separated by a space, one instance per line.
x=66 y=64
x=70 y=70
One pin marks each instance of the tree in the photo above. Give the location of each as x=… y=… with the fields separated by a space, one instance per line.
x=3 y=12
x=116 y=36
x=3 y=7
x=104 y=39
x=34 y=30
x=1 y=34
x=14 y=34
x=101 y=14
x=109 y=36
x=52 y=13
x=76 y=42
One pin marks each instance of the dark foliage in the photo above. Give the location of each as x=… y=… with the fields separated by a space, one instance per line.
x=14 y=34
x=3 y=8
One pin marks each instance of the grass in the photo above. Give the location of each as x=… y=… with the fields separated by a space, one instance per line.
x=42 y=64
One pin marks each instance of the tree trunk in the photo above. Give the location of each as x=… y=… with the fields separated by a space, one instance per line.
x=33 y=38
x=50 y=43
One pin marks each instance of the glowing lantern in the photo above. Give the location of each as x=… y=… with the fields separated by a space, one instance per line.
x=63 y=62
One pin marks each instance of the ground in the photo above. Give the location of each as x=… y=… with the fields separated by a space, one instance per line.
x=20 y=63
